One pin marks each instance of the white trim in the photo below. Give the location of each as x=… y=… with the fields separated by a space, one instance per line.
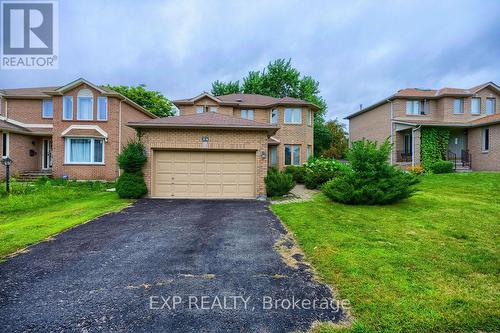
x=294 y=121
x=67 y=151
x=18 y=123
x=292 y=154
x=86 y=96
x=94 y=127
x=483 y=136
x=43 y=108
x=76 y=83
x=63 y=107
x=7 y=139
x=271 y=115
x=107 y=109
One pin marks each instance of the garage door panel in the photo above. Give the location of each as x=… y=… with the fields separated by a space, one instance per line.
x=204 y=174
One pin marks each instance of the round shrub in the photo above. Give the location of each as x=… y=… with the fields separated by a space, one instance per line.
x=298 y=173
x=131 y=185
x=278 y=183
x=132 y=158
x=320 y=170
x=441 y=167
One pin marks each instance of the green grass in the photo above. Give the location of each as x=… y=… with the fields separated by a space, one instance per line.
x=34 y=212
x=427 y=264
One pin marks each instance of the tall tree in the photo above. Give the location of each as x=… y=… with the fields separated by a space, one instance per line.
x=225 y=88
x=339 y=140
x=154 y=101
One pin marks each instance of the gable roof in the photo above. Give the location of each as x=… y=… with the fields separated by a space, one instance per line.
x=48 y=92
x=206 y=120
x=248 y=100
x=428 y=94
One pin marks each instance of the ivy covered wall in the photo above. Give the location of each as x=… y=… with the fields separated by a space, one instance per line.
x=433 y=145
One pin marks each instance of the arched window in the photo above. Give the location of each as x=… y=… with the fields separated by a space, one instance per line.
x=85 y=105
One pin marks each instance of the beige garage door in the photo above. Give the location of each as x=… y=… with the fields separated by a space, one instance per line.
x=195 y=174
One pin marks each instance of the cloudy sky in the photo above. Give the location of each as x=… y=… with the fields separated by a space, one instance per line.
x=359 y=51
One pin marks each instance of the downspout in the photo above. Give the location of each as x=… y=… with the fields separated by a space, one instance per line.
x=413 y=130
x=119 y=132
x=392 y=131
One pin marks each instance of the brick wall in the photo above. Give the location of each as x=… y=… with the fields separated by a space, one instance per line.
x=485 y=160
x=19 y=151
x=372 y=125
x=28 y=111
x=235 y=140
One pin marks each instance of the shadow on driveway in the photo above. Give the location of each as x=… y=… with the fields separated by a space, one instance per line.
x=124 y=271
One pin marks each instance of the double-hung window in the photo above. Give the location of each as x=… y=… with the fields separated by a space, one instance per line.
x=85 y=105
x=490 y=106
x=485 y=139
x=475 y=105
x=247 y=114
x=84 y=151
x=102 y=108
x=273 y=155
x=417 y=107
x=458 y=106
x=309 y=117
x=274 y=116
x=292 y=154
x=47 y=108
x=67 y=107
x=200 y=109
x=293 y=116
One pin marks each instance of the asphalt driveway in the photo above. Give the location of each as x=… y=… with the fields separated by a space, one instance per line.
x=165 y=265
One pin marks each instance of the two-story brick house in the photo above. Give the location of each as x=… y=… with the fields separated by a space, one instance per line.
x=73 y=131
x=222 y=146
x=472 y=115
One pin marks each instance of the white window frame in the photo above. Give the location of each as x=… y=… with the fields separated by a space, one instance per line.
x=67 y=151
x=271 y=116
x=309 y=117
x=6 y=138
x=213 y=109
x=70 y=98
x=85 y=94
x=308 y=152
x=417 y=107
x=99 y=98
x=493 y=104
x=292 y=154
x=44 y=105
x=271 y=150
x=461 y=111
x=472 y=111
x=295 y=113
x=485 y=133
x=200 y=107
x=245 y=114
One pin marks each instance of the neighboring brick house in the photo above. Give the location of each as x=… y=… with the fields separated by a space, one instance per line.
x=472 y=115
x=222 y=146
x=73 y=131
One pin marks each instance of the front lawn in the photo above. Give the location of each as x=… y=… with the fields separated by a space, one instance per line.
x=427 y=264
x=34 y=212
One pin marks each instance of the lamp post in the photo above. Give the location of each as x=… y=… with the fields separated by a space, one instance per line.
x=7 y=161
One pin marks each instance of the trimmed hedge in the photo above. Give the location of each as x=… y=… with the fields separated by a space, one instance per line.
x=278 y=183
x=131 y=185
x=441 y=167
x=298 y=173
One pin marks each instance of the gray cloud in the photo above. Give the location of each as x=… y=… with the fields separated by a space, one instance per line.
x=360 y=51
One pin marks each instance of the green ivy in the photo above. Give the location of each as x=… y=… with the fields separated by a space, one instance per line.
x=433 y=145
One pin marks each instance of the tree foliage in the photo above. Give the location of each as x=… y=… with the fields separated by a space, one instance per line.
x=153 y=101
x=225 y=88
x=338 y=145
x=434 y=145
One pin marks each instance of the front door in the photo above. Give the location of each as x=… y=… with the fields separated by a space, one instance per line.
x=457 y=142
x=47 y=154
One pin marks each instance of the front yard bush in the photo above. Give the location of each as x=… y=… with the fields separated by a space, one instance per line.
x=131 y=183
x=320 y=170
x=372 y=181
x=441 y=167
x=278 y=183
x=298 y=173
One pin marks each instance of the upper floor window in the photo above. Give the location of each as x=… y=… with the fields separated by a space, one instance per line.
x=274 y=116
x=85 y=105
x=292 y=154
x=417 y=107
x=47 y=108
x=102 y=108
x=247 y=114
x=213 y=109
x=309 y=117
x=490 y=105
x=67 y=107
x=485 y=142
x=293 y=116
x=475 y=105
x=458 y=106
x=200 y=109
